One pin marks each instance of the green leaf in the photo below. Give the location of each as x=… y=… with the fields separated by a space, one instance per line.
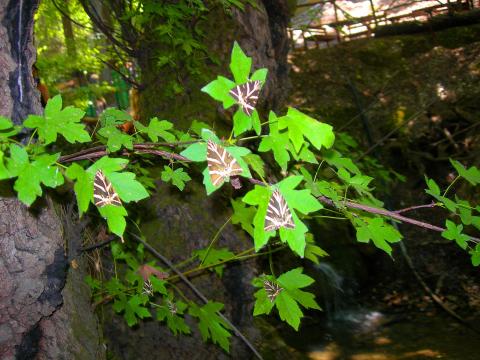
x=241 y=122
x=289 y=298
x=300 y=125
x=5 y=123
x=219 y=90
x=134 y=308
x=83 y=186
x=312 y=251
x=115 y=216
x=259 y=74
x=277 y=142
x=243 y=215
x=4 y=173
x=472 y=174
x=454 y=232
x=211 y=325
x=127 y=188
x=256 y=163
x=30 y=175
x=113 y=117
x=198 y=126
x=240 y=64
x=177 y=177
x=334 y=158
x=159 y=128
x=208 y=134
x=212 y=256
x=475 y=253
x=170 y=312
x=378 y=231
x=116 y=138
x=56 y=121
x=196 y=152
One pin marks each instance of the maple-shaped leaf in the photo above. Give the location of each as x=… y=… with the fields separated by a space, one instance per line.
x=211 y=325
x=133 y=308
x=178 y=177
x=454 y=232
x=276 y=142
x=377 y=230
x=31 y=175
x=56 y=121
x=302 y=126
x=288 y=297
x=146 y=270
x=300 y=200
x=472 y=174
x=211 y=256
x=172 y=312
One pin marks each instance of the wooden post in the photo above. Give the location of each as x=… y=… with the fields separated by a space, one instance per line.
x=339 y=36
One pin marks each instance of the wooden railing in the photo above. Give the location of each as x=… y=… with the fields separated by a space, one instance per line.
x=324 y=35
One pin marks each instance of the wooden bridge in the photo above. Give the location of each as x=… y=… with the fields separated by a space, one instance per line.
x=317 y=34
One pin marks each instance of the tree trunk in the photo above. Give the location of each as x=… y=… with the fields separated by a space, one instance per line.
x=68 y=31
x=262 y=35
x=44 y=307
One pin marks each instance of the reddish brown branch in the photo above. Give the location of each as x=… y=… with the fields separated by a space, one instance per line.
x=390 y=214
x=99 y=151
x=411 y=208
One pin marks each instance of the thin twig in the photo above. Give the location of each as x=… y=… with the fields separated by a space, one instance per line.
x=411 y=208
x=196 y=292
x=390 y=214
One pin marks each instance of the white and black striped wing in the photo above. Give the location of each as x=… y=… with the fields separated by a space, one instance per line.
x=272 y=289
x=103 y=192
x=246 y=95
x=278 y=213
x=221 y=164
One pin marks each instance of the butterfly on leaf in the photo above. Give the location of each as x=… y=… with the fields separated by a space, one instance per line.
x=103 y=192
x=272 y=289
x=246 y=95
x=221 y=164
x=278 y=213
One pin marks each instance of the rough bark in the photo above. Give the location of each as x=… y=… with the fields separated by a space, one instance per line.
x=39 y=294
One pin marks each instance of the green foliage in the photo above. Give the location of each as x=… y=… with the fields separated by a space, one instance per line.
x=307 y=166
x=289 y=299
x=30 y=175
x=211 y=325
x=212 y=256
x=301 y=200
x=55 y=121
x=177 y=177
x=377 y=230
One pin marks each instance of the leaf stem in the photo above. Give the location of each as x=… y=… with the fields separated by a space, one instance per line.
x=215 y=237
x=451 y=184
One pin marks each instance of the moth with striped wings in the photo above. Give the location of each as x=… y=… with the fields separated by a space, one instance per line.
x=221 y=164
x=278 y=213
x=103 y=191
x=246 y=95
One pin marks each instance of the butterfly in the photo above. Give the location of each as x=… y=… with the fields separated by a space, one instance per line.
x=278 y=213
x=103 y=192
x=246 y=95
x=221 y=164
x=272 y=289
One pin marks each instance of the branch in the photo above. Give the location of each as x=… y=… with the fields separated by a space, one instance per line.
x=390 y=214
x=99 y=151
x=195 y=291
x=431 y=205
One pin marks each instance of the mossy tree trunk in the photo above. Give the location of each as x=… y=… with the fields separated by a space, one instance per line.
x=40 y=299
x=261 y=32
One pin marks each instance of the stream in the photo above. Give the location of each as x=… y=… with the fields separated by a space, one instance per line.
x=351 y=330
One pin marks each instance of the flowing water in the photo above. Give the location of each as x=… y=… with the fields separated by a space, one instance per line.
x=350 y=330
